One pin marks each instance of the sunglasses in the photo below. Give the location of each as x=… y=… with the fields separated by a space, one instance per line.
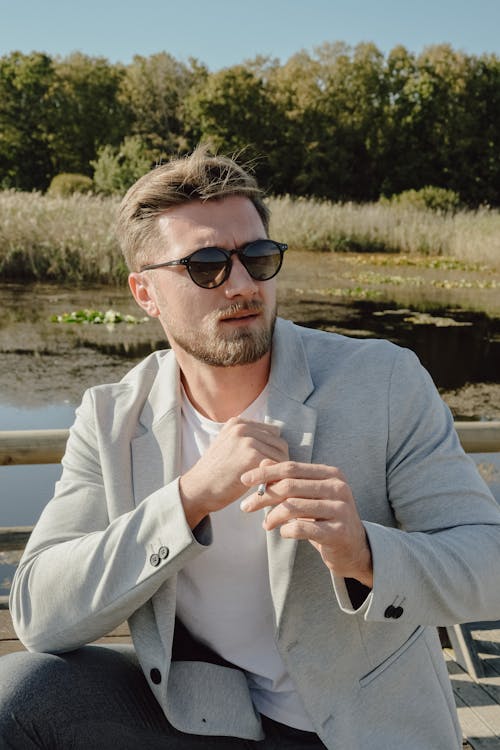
x=210 y=267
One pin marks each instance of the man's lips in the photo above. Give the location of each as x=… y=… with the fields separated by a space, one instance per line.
x=242 y=314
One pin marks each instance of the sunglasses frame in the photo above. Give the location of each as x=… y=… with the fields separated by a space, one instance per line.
x=240 y=252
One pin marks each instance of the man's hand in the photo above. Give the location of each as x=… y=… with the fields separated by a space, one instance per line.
x=314 y=502
x=215 y=480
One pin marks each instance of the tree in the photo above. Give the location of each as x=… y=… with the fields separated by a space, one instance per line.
x=353 y=105
x=296 y=90
x=425 y=118
x=154 y=89
x=333 y=106
x=476 y=173
x=26 y=114
x=89 y=112
x=234 y=112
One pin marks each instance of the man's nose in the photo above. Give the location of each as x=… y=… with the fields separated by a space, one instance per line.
x=239 y=283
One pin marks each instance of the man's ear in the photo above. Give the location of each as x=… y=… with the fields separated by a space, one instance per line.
x=144 y=293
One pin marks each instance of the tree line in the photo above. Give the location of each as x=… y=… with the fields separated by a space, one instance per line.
x=343 y=123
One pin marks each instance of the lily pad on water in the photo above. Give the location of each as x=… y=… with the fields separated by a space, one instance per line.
x=96 y=317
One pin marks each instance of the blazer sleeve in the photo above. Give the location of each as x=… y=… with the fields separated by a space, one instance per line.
x=82 y=574
x=439 y=565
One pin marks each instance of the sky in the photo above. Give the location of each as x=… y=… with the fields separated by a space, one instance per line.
x=221 y=33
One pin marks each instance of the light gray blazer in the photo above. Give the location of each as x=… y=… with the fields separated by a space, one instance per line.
x=371 y=677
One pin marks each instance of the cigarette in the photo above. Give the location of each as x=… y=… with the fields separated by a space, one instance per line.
x=261 y=489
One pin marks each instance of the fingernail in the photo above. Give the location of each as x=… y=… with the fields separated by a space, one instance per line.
x=245 y=505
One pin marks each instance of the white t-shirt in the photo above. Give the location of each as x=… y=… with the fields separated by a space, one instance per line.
x=223 y=595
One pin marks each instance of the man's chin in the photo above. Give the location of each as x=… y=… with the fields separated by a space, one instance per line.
x=242 y=345
x=241 y=350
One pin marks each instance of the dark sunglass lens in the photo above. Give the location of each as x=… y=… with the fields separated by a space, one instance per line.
x=208 y=267
x=262 y=259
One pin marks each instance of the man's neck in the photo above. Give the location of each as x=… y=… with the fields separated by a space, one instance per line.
x=220 y=393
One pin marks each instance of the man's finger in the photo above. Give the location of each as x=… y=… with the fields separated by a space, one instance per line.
x=309 y=529
x=288 y=470
x=311 y=509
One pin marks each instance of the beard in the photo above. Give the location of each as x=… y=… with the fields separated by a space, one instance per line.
x=241 y=346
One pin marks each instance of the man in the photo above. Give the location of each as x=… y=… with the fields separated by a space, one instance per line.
x=281 y=514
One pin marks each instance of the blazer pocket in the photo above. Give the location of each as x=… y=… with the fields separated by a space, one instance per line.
x=378 y=670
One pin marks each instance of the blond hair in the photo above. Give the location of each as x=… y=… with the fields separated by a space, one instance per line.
x=198 y=176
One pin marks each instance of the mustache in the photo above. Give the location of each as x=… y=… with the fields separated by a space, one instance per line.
x=238 y=307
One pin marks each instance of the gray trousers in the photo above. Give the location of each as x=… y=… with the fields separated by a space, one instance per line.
x=96 y=698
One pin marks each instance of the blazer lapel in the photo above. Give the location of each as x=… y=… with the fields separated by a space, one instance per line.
x=290 y=386
x=156 y=450
x=155 y=463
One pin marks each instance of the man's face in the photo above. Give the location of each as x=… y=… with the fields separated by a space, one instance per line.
x=226 y=326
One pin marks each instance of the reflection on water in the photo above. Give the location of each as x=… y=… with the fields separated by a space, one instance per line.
x=456 y=347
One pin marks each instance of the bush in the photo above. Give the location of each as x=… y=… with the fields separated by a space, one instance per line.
x=67 y=183
x=116 y=170
x=429 y=197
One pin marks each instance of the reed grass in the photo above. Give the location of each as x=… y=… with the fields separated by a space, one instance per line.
x=309 y=224
x=59 y=239
x=72 y=239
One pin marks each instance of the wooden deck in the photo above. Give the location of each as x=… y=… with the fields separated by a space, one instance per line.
x=10 y=643
x=478 y=701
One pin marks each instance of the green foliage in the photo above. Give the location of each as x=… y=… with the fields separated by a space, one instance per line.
x=87 y=111
x=234 y=112
x=25 y=120
x=341 y=123
x=154 y=89
x=68 y=183
x=427 y=198
x=115 y=170
x=54 y=114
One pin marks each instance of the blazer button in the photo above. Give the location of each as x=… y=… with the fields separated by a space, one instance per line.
x=154 y=560
x=389 y=612
x=163 y=552
x=155 y=675
x=398 y=611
